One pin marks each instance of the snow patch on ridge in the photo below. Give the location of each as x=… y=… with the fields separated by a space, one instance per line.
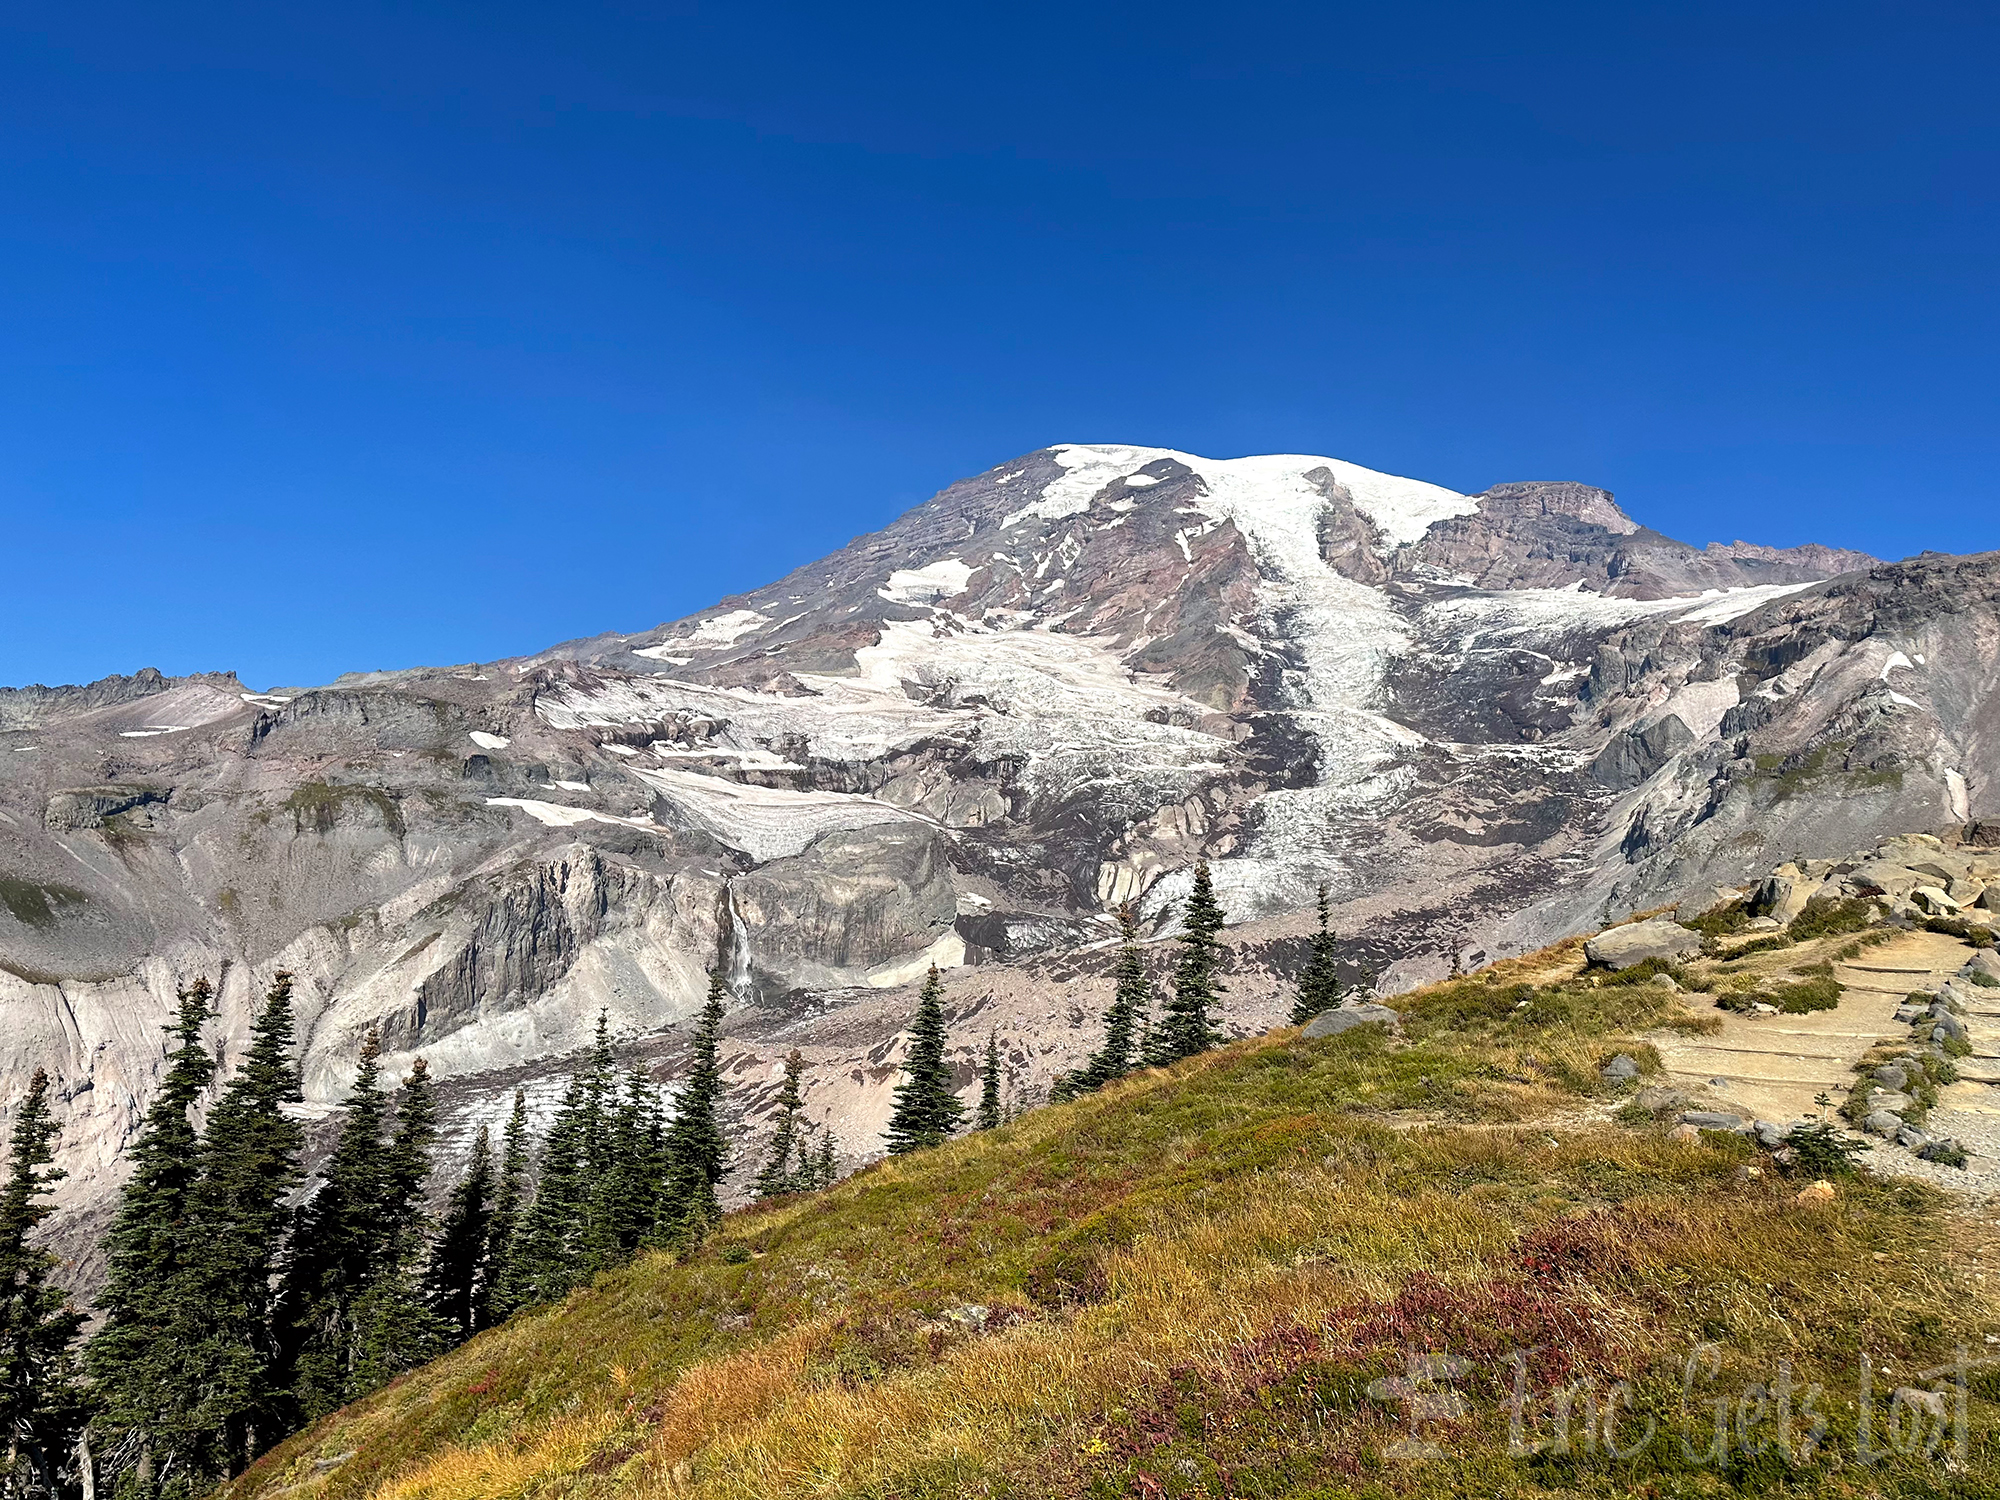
x=941 y=580
x=1402 y=510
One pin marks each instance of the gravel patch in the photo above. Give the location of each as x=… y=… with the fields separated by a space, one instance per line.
x=1977 y=1131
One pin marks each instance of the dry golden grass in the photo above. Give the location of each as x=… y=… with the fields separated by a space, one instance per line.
x=1276 y=1218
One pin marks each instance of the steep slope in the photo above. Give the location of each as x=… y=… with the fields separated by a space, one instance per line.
x=964 y=739
x=1229 y=1279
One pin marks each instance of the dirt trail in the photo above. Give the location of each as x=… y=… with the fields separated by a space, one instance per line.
x=1770 y=1067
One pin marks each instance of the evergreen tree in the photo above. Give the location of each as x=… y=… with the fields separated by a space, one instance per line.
x=544 y=1253
x=1186 y=1028
x=825 y=1171
x=633 y=1183
x=1319 y=981
x=1131 y=1007
x=134 y=1361
x=501 y=1292
x=927 y=1110
x=697 y=1153
x=353 y=1312
x=598 y=1122
x=40 y=1403
x=781 y=1173
x=249 y=1165
x=338 y=1245
x=989 y=1085
x=457 y=1282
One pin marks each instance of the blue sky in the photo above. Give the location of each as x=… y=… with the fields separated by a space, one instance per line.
x=370 y=335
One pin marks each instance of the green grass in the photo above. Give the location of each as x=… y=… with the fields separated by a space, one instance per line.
x=1187 y=1283
x=319 y=806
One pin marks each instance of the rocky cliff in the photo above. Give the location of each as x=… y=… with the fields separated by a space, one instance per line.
x=1485 y=720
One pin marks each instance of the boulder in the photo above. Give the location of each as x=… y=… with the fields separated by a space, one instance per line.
x=1892 y=1076
x=1890 y=1099
x=1882 y=1123
x=1949 y=1028
x=1762 y=924
x=1621 y=1069
x=1989 y=899
x=1878 y=877
x=1685 y=1134
x=1346 y=1017
x=1659 y=1098
x=1933 y=900
x=1819 y=1192
x=1666 y=982
x=1986 y=960
x=1770 y=1135
x=1713 y=1119
x=1912 y=1139
x=1634 y=943
x=1937 y=1148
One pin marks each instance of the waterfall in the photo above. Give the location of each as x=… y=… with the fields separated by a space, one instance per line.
x=736 y=965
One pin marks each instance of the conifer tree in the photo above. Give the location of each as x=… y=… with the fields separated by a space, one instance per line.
x=927 y=1110
x=544 y=1254
x=135 y=1360
x=1319 y=980
x=1186 y=1027
x=355 y=1309
x=697 y=1153
x=781 y=1173
x=825 y=1171
x=457 y=1282
x=337 y=1248
x=989 y=1085
x=1131 y=1006
x=633 y=1182
x=249 y=1160
x=40 y=1403
x=502 y=1290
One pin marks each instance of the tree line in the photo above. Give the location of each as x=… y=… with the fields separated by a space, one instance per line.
x=928 y=1109
x=237 y=1308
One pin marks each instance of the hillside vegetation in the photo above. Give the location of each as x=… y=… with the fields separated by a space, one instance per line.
x=1232 y=1277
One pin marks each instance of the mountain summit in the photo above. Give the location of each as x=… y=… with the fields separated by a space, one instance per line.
x=1484 y=720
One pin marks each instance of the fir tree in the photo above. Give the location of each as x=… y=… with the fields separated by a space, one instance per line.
x=781 y=1173
x=135 y=1361
x=632 y=1185
x=697 y=1153
x=502 y=1291
x=927 y=1110
x=1186 y=1028
x=544 y=1258
x=337 y=1247
x=249 y=1161
x=1131 y=1007
x=354 y=1309
x=825 y=1170
x=457 y=1282
x=40 y=1403
x=989 y=1085
x=1319 y=981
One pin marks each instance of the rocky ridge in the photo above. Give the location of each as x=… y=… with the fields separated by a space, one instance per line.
x=1486 y=720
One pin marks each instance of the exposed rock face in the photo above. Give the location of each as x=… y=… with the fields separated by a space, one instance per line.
x=1484 y=720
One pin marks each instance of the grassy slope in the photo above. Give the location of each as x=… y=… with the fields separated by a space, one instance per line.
x=1185 y=1285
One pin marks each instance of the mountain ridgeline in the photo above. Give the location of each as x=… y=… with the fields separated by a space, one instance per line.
x=975 y=742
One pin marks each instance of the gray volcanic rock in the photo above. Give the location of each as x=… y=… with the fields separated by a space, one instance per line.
x=1484 y=721
x=1634 y=943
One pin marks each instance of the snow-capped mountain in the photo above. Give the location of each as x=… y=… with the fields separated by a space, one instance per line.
x=1483 y=720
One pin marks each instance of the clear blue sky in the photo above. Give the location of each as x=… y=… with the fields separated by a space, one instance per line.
x=367 y=335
